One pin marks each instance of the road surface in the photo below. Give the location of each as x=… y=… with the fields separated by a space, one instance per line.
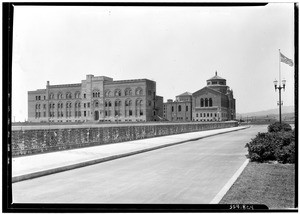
x=188 y=173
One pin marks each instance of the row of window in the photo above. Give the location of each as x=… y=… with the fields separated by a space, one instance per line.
x=179 y=108
x=206 y=102
x=107 y=93
x=108 y=103
x=210 y=114
x=107 y=113
x=206 y=114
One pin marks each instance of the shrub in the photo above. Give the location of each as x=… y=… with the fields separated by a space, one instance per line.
x=278 y=127
x=271 y=146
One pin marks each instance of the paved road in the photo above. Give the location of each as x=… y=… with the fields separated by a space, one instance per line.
x=193 y=172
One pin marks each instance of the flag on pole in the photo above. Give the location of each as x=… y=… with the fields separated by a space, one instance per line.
x=286 y=60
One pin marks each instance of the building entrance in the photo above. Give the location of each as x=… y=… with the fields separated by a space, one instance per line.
x=96 y=115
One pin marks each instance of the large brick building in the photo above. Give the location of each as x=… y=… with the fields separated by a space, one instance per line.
x=97 y=98
x=214 y=102
x=180 y=109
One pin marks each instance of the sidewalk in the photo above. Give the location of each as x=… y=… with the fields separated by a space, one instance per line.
x=28 y=167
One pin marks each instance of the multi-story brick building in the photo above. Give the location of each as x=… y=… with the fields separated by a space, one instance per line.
x=214 y=102
x=97 y=98
x=180 y=109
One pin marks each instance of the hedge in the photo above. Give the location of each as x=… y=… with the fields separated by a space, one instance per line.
x=275 y=145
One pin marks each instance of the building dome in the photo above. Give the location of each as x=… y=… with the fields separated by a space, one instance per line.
x=216 y=77
x=216 y=80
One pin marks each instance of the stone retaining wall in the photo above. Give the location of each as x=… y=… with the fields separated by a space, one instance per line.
x=28 y=142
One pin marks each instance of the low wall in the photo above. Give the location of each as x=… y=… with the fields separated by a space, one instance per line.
x=28 y=142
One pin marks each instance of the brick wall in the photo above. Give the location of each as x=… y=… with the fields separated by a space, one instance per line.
x=28 y=142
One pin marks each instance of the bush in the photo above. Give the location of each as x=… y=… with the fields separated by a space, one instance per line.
x=278 y=127
x=271 y=146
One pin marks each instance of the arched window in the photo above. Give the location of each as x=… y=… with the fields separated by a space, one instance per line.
x=96 y=93
x=128 y=92
x=68 y=109
x=77 y=94
x=107 y=93
x=96 y=103
x=59 y=96
x=139 y=108
x=179 y=108
x=117 y=92
x=202 y=102
x=128 y=108
x=118 y=108
x=210 y=102
x=138 y=91
x=206 y=102
x=68 y=95
x=51 y=96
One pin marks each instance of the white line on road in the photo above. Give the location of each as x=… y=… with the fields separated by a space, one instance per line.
x=227 y=186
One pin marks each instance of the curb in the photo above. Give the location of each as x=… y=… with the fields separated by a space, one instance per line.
x=100 y=160
x=229 y=184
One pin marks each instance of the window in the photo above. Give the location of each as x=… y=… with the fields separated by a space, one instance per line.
x=202 y=102
x=68 y=95
x=96 y=94
x=179 y=108
x=128 y=108
x=96 y=104
x=84 y=113
x=128 y=92
x=107 y=93
x=117 y=93
x=197 y=115
x=149 y=92
x=139 y=107
x=59 y=96
x=206 y=102
x=88 y=104
x=210 y=102
x=186 y=108
x=139 y=91
x=77 y=94
x=172 y=108
x=51 y=96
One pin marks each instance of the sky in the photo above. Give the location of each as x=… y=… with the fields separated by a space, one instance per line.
x=178 y=47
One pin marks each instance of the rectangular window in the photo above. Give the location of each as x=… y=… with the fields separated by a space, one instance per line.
x=186 y=108
x=84 y=95
x=84 y=105
x=130 y=112
x=84 y=113
x=88 y=105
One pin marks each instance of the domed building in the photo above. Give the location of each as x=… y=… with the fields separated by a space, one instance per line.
x=214 y=102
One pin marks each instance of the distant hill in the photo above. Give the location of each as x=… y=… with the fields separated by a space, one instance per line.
x=287 y=111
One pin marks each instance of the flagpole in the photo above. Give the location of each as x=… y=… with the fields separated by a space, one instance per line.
x=279 y=68
x=279 y=88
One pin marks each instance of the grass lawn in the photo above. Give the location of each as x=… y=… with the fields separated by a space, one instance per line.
x=263 y=183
